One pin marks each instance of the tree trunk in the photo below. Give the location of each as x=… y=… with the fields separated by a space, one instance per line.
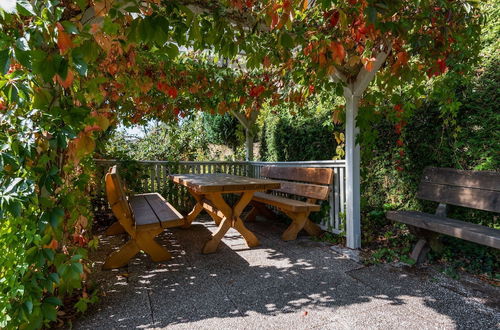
x=248 y=145
x=352 y=156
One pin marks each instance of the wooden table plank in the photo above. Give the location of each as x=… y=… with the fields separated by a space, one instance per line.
x=226 y=183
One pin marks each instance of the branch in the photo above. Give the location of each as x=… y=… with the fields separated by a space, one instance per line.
x=364 y=76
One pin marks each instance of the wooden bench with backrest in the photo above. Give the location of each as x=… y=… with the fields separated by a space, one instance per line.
x=311 y=184
x=143 y=217
x=473 y=189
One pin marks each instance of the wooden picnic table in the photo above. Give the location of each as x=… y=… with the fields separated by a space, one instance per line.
x=207 y=189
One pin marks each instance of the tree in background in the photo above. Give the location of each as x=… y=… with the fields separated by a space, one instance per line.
x=222 y=129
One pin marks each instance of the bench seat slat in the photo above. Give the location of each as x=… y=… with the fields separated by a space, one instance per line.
x=285 y=203
x=163 y=209
x=456 y=228
x=143 y=213
x=151 y=208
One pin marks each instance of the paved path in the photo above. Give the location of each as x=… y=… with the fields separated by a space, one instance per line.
x=280 y=285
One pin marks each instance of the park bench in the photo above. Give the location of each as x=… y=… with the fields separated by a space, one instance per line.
x=473 y=189
x=143 y=217
x=311 y=184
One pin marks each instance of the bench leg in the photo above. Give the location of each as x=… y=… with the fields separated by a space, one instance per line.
x=298 y=222
x=252 y=215
x=146 y=242
x=419 y=253
x=115 y=229
x=121 y=257
x=312 y=228
x=264 y=211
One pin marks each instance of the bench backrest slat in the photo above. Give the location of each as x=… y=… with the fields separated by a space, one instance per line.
x=117 y=199
x=317 y=180
x=474 y=189
x=303 y=174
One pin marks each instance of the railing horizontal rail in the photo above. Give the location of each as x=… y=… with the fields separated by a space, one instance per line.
x=152 y=175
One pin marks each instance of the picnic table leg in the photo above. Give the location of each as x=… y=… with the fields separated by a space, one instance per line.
x=249 y=237
x=195 y=211
x=231 y=219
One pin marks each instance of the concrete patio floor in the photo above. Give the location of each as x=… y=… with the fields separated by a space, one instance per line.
x=280 y=285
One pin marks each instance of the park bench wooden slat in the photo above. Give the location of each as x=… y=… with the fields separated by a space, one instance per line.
x=304 y=189
x=472 y=189
x=485 y=180
x=143 y=213
x=487 y=200
x=310 y=175
x=460 y=229
x=164 y=210
x=285 y=203
x=314 y=184
x=143 y=217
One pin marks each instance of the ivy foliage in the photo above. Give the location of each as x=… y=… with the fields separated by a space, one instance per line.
x=71 y=69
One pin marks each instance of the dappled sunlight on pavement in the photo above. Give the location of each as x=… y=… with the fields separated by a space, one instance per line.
x=300 y=284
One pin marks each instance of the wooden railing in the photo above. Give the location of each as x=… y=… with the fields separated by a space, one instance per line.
x=147 y=176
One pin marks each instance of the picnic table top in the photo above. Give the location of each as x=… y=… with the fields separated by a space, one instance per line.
x=222 y=183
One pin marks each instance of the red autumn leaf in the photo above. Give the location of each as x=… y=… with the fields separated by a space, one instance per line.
x=368 y=63
x=334 y=19
x=402 y=153
x=338 y=51
x=400 y=142
x=172 y=92
x=266 y=62
x=66 y=83
x=274 y=20
x=442 y=65
x=256 y=91
x=113 y=69
x=52 y=245
x=63 y=39
x=399 y=168
x=176 y=111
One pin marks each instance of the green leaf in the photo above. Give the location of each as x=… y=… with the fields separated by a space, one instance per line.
x=79 y=62
x=23 y=57
x=54 y=278
x=286 y=40
x=70 y=27
x=56 y=216
x=4 y=61
x=49 y=312
x=25 y=8
x=29 y=306
x=53 y=301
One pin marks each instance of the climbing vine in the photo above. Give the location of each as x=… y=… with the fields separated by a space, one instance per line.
x=71 y=69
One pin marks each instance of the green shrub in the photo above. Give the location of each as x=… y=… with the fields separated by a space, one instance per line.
x=295 y=137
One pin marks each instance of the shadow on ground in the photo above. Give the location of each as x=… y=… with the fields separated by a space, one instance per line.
x=299 y=284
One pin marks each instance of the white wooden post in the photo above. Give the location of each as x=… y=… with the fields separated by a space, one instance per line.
x=352 y=94
x=352 y=157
